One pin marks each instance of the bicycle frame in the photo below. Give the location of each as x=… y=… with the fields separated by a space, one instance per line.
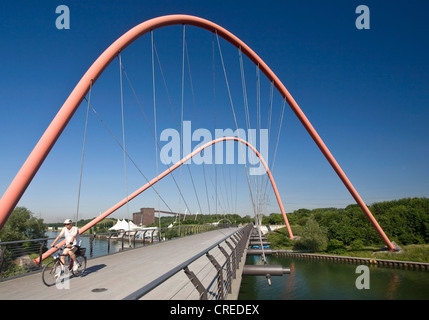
x=70 y=263
x=57 y=263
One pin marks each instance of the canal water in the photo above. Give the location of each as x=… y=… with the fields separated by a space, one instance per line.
x=328 y=280
x=310 y=279
x=99 y=245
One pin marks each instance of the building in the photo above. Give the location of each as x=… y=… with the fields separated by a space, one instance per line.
x=145 y=217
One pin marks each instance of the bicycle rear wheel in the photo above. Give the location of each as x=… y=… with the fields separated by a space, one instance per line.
x=81 y=262
x=50 y=272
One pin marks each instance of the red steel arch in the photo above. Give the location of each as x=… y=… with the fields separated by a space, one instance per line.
x=47 y=141
x=167 y=172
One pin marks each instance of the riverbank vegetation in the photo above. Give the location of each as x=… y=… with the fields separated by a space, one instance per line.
x=104 y=225
x=201 y=219
x=101 y=227
x=345 y=231
x=21 y=225
x=348 y=232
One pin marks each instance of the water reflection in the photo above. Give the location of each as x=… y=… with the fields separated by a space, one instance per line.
x=100 y=246
x=316 y=280
x=393 y=286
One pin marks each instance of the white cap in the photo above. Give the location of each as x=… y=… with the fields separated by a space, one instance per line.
x=67 y=221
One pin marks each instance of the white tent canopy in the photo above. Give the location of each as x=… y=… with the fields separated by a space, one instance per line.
x=124 y=225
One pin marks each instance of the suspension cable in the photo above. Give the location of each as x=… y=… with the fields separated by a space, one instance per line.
x=155 y=125
x=174 y=116
x=181 y=112
x=128 y=155
x=83 y=153
x=258 y=130
x=255 y=208
x=197 y=122
x=235 y=119
x=278 y=138
x=165 y=84
x=123 y=138
x=270 y=107
x=246 y=106
x=154 y=120
x=214 y=114
x=152 y=132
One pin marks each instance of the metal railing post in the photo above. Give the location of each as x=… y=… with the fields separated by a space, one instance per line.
x=228 y=267
x=134 y=238
x=234 y=260
x=1 y=260
x=220 y=283
x=197 y=283
x=91 y=240
x=231 y=267
x=144 y=238
x=41 y=252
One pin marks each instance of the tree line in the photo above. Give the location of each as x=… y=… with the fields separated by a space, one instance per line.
x=202 y=219
x=101 y=227
x=405 y=221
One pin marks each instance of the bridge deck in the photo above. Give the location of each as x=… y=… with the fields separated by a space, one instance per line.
x=123 y=273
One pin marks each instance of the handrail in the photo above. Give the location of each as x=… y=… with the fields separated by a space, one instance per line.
x=165 y=234
x=23 y=241
x=155 y=283
x=15 y=249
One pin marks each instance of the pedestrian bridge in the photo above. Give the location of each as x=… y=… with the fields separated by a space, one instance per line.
x=200 y=266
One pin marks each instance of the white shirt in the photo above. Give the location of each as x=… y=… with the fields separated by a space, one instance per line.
x=68 y=234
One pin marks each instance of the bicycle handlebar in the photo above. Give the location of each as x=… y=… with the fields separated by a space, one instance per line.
x=61 y=247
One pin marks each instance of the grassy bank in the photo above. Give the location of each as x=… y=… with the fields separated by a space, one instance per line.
x=412 y=252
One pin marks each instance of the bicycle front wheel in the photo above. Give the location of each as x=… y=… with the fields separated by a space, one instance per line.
x=81 y=262
x=51 y=272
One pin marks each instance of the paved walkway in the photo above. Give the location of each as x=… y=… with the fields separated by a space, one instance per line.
x=118 y=275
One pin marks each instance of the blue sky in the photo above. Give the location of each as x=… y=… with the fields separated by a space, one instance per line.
x=365 y=92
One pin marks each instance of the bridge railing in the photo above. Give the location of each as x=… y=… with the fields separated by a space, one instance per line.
x=16 y=257
x=208 y=275
x=139 y=238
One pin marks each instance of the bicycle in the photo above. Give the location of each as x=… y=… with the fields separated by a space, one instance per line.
x=53 y=270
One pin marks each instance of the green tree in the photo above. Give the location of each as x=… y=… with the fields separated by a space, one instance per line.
x=314 y=237
x=357 y=245
x=273 y=218
x=405 y=221
x=336 y=246
x=22 y=225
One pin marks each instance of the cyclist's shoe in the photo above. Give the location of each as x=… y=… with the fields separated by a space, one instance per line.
x=75 y=266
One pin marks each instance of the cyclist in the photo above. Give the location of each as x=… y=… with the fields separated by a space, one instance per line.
x=73 y=242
